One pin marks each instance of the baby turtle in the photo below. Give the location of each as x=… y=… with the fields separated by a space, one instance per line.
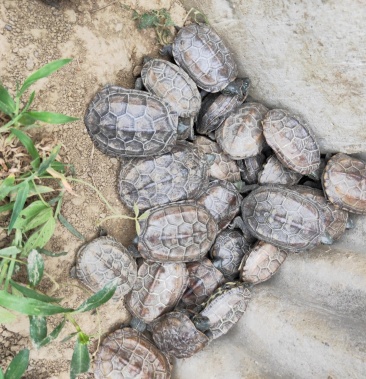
x=292 y=140
x=175 y=334
x=132 y=123
x=102 y=260
x=250 y=168
x=178 y=175
x=127 y=354
x=344 y=183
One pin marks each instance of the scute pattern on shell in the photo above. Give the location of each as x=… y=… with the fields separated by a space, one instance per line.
x=126 y=122
x=292 y=140
x=171 y=83
x=178 y=175
x=179 y=232
x=127 y=354
x=102 y=260
x=344 y=183
x=201 y=52
x=283 y=217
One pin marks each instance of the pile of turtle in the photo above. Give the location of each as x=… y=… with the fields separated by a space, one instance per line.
x=229 y=187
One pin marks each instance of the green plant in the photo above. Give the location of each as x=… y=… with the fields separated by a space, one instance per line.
x=17 y=366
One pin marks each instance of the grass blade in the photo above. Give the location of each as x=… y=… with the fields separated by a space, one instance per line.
x=80 y=361
x=50 y=117
x=6 y=186
x=28 y=213
x=70 y=228
x=37 y=329
x=7 y=104
x=47 y=162
x=28 y=292
x=7 y=251
x=42 y=217
x=18 y=365
x=53 y=335
x=40 y=237
x=6 y=207
x=35 y=268
x=19 y=204
x=27 y=142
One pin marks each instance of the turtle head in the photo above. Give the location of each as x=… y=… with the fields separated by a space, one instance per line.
x=238 y=87
x=202 y=323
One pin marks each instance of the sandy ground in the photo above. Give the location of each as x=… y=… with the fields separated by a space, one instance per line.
x=106 y=46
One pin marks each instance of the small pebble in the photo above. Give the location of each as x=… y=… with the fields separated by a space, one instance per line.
x=8 y=27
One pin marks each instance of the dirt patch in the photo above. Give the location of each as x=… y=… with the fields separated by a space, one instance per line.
x=106 y=46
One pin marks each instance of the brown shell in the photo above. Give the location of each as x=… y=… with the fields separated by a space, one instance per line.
x=261 y=263
x=292 y=140
x=203 y=279
x=283 y=217
x=241 y=134
x=274 y=172
x=158 y=288
x=179 y=232
x=250 y=168
x=344 y=183
x=175 y=334
x=223 y=167
x=127 y=354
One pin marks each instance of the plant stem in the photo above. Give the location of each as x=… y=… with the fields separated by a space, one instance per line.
x=116 y=216
x=38 y=193
x=10 y=271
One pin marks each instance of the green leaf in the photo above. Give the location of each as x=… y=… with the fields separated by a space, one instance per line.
x=99 y=298
x=80 y=361
x=29 y=102
x=70 y=228
x=53 y=335
x=49 y=117
x=29 y=213
x=42 y=217
x=37 y=329
x=138 y=227
x=6 y=186
x=40 y=237
x=6 y=207
x=18 y=365
x=19 y=204
x=28 y=292
x=47 y=162
x=59 y=166
x=35 y=268
x=27 y=142
x=26 y=120
x=8 y=251
x=136 y=209
x=43 y=72
x=30 y=307
x=51 y=254
x=148 y=20
x=1 y=373
x=144 y=216
x=7 y=104
x=6 y=317
x=67 y=338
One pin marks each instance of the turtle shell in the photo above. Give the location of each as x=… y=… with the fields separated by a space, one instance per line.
x=102 y=260
x=228 y=251
x=127 y=354
x=241 y=134
x=175 y=334
x=283 y=217
x=171 y=83
x=178 y=175
x=292 y=140
x=179 y=232
x=250 y=168
x=261 y=263
x=201 y=52
x=132 y=123
x=344 y=183
x=158 y=288
x=223 y=167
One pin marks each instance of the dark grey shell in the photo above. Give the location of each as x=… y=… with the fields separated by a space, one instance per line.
x=283 y=217
x=261 y=263
x=101 y=261
x=175 y=334
x=292 y=140
x=127 y=354
x=200 y=51
x=224 y=309
x=228 y=251
x=178 y=175
x=241 y=134
x=172 y=84
x=223 y=167
x=179 y=232
x=335 y=219
x=203 y=279
x=344 y=183
x=274 y=172
x=158 y=288
x=222 y=200
x=132 y=123
x=250 y=168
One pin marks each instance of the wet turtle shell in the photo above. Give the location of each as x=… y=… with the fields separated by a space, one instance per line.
x=127 y=354
x=172 y=84
x=241 y=134
x=274 y=172
x=223 y=310
x=178 y=175
x=292 y=140
x=250 y=168
x=261 y=263
x=228 y=251
x=179 y=232
x=344 y=183
x=223 y=167
x=102 y=260
x=175 y=334
x=126 y=122
x=284 y=218
x=201 y=52
x=158 y=288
